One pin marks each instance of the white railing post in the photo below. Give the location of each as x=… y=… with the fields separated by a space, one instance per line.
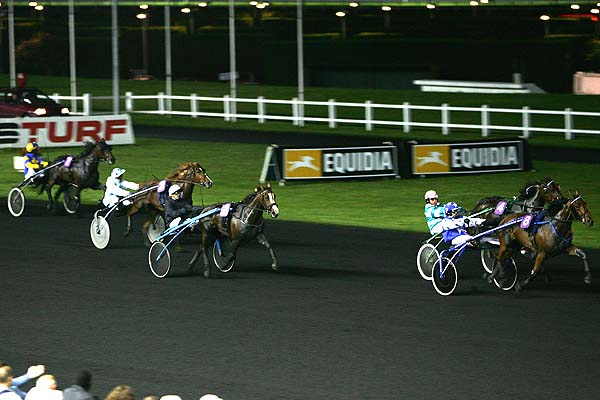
x=445 y=119
x=368 y=115
x=161 y=103
x=128 y=102
x=226 y=108
x=194 y=105
x=301 y=112
x=526 y=122
x=485 y=120
x=260 y=104
x=406 y=116
x=87 y=104
x=55 y=97
x=568 y=124
x=295 y=111
x=331 y=108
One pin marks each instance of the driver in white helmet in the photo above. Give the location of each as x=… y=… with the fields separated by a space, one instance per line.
x=117 y=188
x=434 y=212
x=177 y=207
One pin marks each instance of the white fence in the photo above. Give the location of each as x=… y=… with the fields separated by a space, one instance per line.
x=296 y=113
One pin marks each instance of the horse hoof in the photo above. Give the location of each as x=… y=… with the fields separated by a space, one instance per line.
x=588 y=279
x=275 y=267
x=207 y=273
x=518 y=287
x=485 y=276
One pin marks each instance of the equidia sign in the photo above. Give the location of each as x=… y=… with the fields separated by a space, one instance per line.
x=65 y=131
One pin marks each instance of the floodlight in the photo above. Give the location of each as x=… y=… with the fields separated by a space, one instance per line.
x=32 y=3
x=473 y=3
x=142 y=16
x=544 y=17
x=39 y=7
x=430 y=6
x=595 y=11
x=386 y=8
x=353 y=4
x=340 y=14
x=575 y=7
x=144 y=6
x=203 y=4
x=186 y=10
x=253 y=3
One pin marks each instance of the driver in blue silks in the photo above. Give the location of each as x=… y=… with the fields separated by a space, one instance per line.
x=33 y=162
x=454 y=225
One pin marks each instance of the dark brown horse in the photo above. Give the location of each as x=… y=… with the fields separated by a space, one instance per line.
x=244 y=223
x=187 y=175
x=532 y=197
x=82 y=171
x=554 y=236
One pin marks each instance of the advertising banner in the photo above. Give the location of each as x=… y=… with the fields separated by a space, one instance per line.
x=65 y=131
x=339 y=162
x=468 y=158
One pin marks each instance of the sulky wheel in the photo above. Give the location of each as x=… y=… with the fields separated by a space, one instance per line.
x=159 y=259
x=426 y=257
x=100 y=232
x=444 y=277
x=488 y=257
x=508 y=275
x=16 y=202
x=222 y=255
x=156 y=228
x=71 y=199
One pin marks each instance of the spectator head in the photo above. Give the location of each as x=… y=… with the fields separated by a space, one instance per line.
x=150 y=397
x=121 y=392
x=84 y=379
x=46 y=382
x=6 y=374
x=210 y=397
x=170 y=397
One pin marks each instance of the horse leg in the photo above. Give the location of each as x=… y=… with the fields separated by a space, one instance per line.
x=204 y=248
x=262 y=239
x=537 y=265
x=575 y=251
x=50 y=204
x=130 y=213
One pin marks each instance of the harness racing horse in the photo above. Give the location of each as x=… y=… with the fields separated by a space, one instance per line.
x=532 y=197
x=244 y=223
x=82 y=172
x=554 y=236
x=187 y=175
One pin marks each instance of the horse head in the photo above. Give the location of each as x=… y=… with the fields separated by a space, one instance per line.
x=193 y=172
x=266 y=198
x=580 y=209
x=550 y=189
x=103 y=151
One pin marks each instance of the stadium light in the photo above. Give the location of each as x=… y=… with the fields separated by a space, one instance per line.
x=266 y=3
x=575 y=7
x=484 y=1
x=260 y=6
x=39 y=7
x=340 y=14
x=253 y=3
x=203 y=4
x=143 y=6
x=353 y=4
x=544 y=17
x=473 y=3
x=386 y=8
x=430 y=6
x=142 y=16
x=186 y=10
x=33 y=4
x=595 y=11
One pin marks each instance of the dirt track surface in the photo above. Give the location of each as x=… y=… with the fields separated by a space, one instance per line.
x=347 y=317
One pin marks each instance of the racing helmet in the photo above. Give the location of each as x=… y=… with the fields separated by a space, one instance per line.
x=431 y=194
x=31 y=147
x=174 y=189
x=117 y=172
x=450 y=208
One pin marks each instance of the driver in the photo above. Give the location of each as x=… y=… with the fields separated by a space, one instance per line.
x=117 y=188
x=454 y=225
x=177 y=207
x=32 y=160
x=434 y=212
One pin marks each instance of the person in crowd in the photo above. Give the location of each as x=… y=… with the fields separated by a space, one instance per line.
x=6 y=381
x=170 y=397
x=121 y=392
x=45 y=388
x=454 y=225
x=81 y=389
x=150 y=397
x=434 y=212
x=117 y=188
x=33 y=162
x=177 y=208
x=210 y=396
x=32 y=372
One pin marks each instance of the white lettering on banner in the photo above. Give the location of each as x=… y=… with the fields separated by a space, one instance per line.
x=67 y=131
x=358 y=162
x=484 y=157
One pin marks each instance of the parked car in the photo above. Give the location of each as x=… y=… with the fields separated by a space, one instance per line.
x=28 y=102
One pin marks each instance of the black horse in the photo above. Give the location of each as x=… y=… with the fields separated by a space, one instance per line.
x=244 y=223
x=553 y=236
x=82 y=172
x=532 y=197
